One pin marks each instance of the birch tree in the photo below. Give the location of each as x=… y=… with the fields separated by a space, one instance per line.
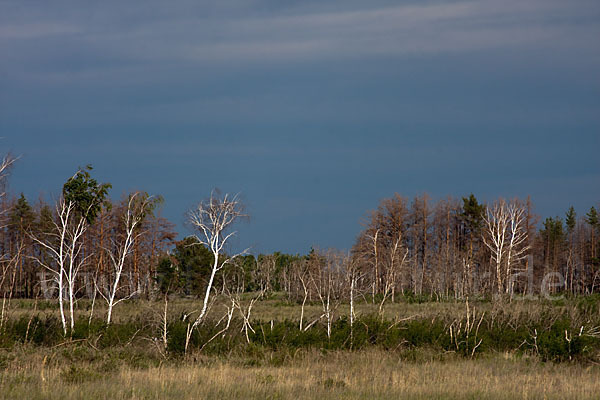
x=328 y=281
x=301 y=272
x=517 y=245
x=353 y=275
x=244 y=308
x=506 y=237
x=78 y=207
x=64 y=246
x=396 y=259
x=138 y=205
x=5 y=166
x=212 y=220
x=375 y=264
x=495 y=237
x=6 y=261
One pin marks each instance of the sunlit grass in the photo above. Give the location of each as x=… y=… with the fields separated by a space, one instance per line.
x=278 y=308
x=140 y=369
x=369 y=374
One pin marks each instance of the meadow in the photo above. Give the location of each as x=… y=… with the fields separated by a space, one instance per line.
x=415 y=349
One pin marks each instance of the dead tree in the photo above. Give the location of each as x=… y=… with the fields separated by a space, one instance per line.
x=137 y=207
x=506 y=237
x=212 y=220
x=245 y=309
x=64 y=246
x=328 y=281
x=77 y=208
x=375 y=264
x=495 y=237
x=353 y=275
x=7 y=262
x=396 y=259
x=5 y=166
x=301 y=272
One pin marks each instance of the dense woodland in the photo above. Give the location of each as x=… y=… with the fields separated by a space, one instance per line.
x=455 y=247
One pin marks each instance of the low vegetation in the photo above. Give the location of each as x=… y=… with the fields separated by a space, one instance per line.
x=371 y=374
x=454 y=350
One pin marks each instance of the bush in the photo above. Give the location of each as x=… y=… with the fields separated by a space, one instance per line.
x=40 y=331
x=77 y=375
x=562 y=342
x=558 y=335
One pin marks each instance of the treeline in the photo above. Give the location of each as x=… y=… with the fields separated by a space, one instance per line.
x=440 y=249
x=452 y=248
x=24 y=224
x=460 y=247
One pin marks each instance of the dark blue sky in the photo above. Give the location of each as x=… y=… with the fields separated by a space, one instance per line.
x=312 y=110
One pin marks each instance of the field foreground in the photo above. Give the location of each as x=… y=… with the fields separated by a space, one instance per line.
x=522 y=350
x=369 y=374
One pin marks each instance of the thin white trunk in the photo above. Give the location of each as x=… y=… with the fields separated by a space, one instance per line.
x=164 y=321
x=352 y=282
x=133 y=217
x=305 y=288
x=209 y=286
x=211 y=218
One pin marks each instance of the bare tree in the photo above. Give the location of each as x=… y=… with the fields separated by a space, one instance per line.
x=77 y=208
x=375 y=264
x=396 y=259
x=419 y=216
x=6 y=265
x=328 y=281
x=373 y=245
x=517 y=245
x=495 y=237
x=245 y=309
x=212 y=219
x=5 y=166
x=137 y=207
x=6 y=261
x=506 y=237
x=353 y=275
x=64 y=247
x=301 y=272
x=264 y=271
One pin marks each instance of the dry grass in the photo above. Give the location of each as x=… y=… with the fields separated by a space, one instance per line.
x=364 y=375
x=279 y=309
x=81 y=371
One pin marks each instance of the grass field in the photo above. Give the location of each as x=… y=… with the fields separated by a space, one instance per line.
x=131 y=365
x=277 y=308
x=367 y=374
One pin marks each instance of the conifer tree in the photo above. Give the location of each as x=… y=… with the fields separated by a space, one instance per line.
x=571 y=220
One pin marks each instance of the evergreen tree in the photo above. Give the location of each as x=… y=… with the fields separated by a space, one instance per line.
x=194 y=263
x=22 y=216
x=553 y=230
x=167 y=275
x=471 y=219
x=472 y=214
x=45 y=222
x=87 y=195
x=571 y=220
x=592 y=217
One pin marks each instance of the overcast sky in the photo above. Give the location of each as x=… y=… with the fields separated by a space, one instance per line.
x=313 y=110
